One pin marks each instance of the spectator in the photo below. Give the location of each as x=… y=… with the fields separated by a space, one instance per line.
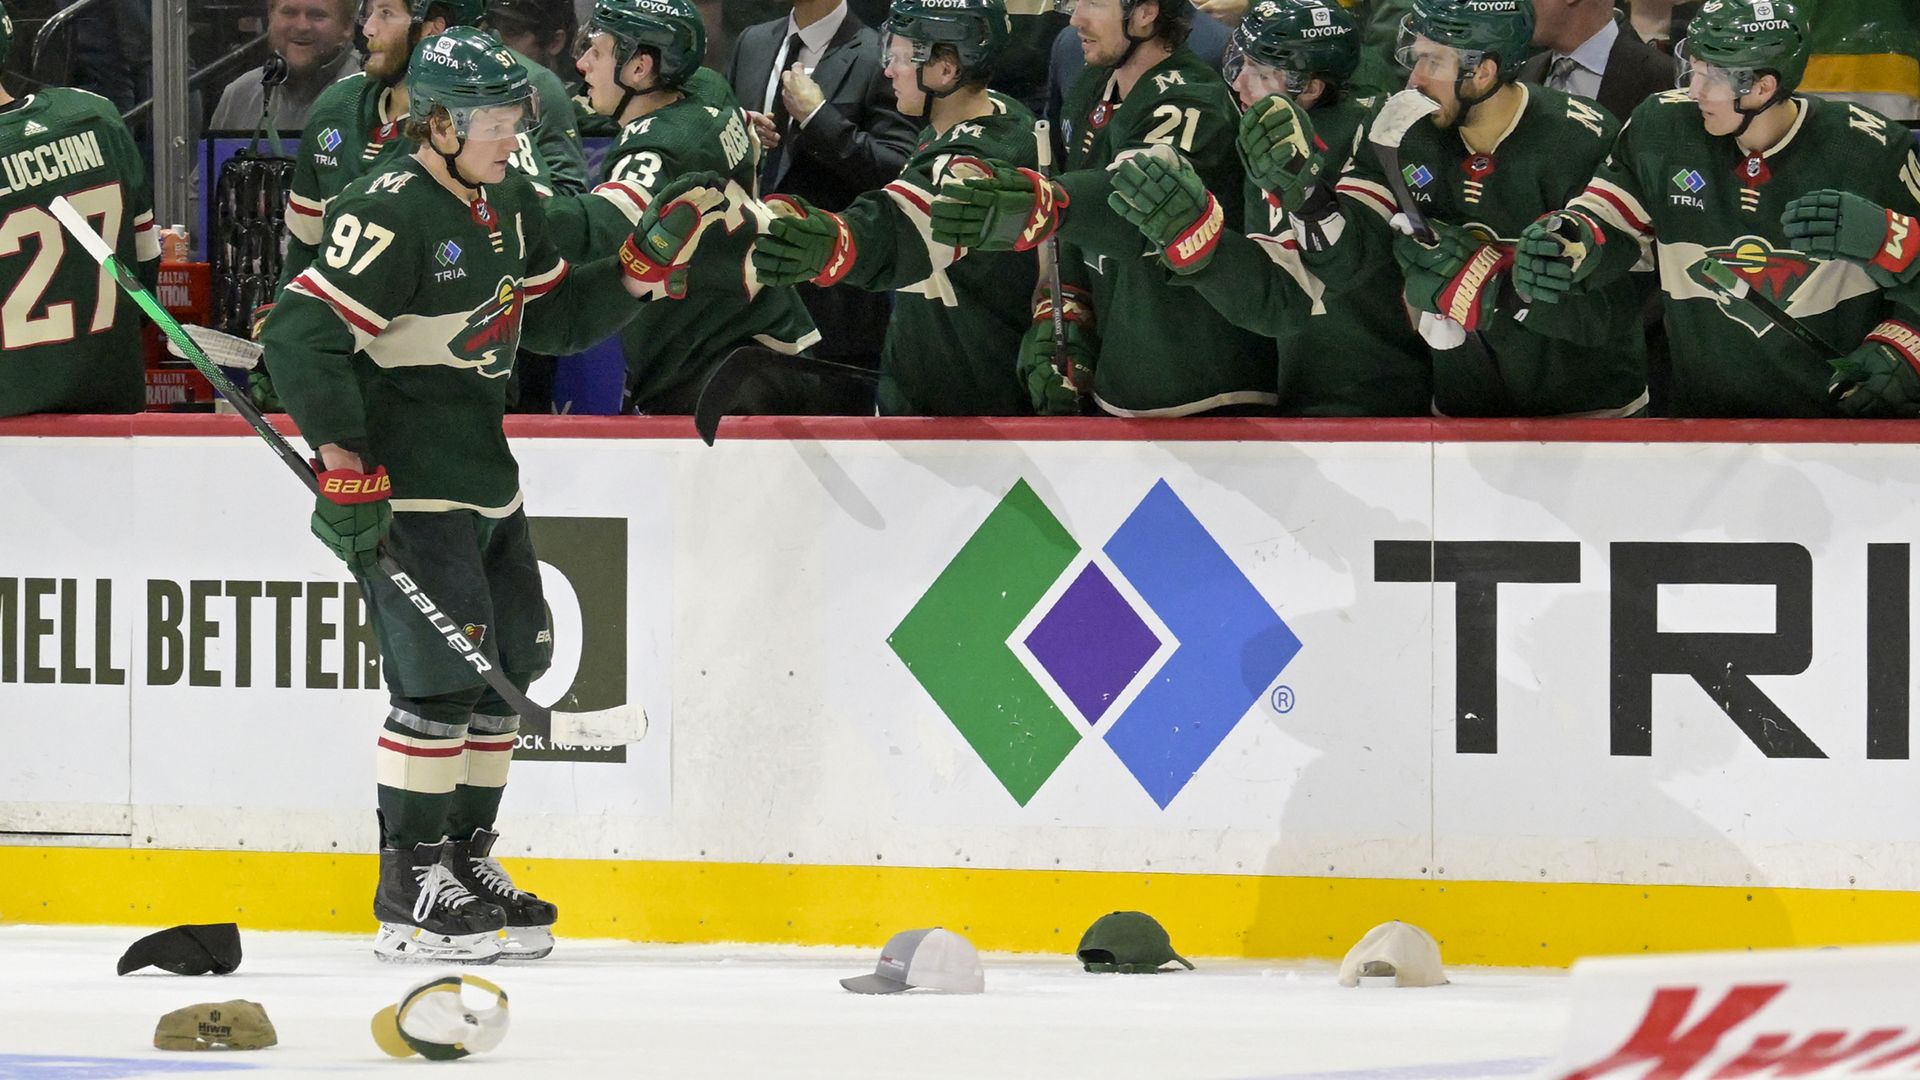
x=313 y=36
x=825 y=112
x=540 y=30
x=1587 y=53
x=1661 y=23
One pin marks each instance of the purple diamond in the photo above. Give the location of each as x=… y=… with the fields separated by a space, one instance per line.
x=1092 y=643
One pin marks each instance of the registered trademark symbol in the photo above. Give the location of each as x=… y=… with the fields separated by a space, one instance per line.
x=1283 y=699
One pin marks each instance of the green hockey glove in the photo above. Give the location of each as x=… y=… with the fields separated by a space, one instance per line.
x=1008 y=209
x=802 y=243
x=1836 y=225
x=1280 y=151
x=260 y=389
x=351 y=515
x=1882 y=376
x=1457 y=277
x=1162 y=196
x=656 y=255
x=1054 y=392
x=1554 y=254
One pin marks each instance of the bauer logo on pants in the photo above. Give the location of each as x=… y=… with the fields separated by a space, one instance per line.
x=1157 y=644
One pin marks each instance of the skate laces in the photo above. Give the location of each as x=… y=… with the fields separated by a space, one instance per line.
x=494 y=877
x=438 y=886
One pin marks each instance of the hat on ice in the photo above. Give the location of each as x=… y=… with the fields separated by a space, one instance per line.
x=187 y=950
x=1128 y=942
x=936 y=959
x=225 y=1025
x=1397 y=951
x=435 y=1020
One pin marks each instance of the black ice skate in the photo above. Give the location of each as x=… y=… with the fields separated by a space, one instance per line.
x=427 y=916
x=529 y=918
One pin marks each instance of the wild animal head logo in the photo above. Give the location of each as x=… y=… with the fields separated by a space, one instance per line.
x=492 y=331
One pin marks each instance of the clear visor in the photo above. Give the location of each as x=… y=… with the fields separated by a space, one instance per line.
x=1427 y=58
x=1253 y=81
x=897 y=51
x=491 y=123
x=1706 y=82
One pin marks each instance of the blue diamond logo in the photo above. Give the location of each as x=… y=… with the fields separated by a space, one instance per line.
x=448 y=253
x=330 y=139
x=1690 y=181
x=1092 y=643
x=1418 y=176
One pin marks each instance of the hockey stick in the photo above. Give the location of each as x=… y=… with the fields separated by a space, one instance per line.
x=743 y=365
x=621 y=724
x=1388 y=130
x=225 y=350
x=1050 y=259
x=1720 y=277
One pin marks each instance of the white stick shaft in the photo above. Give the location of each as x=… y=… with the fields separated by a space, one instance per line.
x=76 y=224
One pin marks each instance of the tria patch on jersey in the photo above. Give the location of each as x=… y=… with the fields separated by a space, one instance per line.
x=1688 y=185
x=492 y=332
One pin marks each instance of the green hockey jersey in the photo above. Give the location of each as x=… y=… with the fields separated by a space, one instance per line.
x=400 y=336
x=1340 y=353
x=672 y=345
x=1584 y=356
x=353 y=131
x=1673 y=195
x=1162 y=351
x=955 y=333
x=69 y=342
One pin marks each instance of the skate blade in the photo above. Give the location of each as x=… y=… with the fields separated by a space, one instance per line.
x=400 y=944
x=525 y=942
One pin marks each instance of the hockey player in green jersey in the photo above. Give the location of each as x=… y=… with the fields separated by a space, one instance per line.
x=1706 y=172
x=354 y=126
x=68 y=341
x=1144 y=346
x=1493 y=157
x=678 y=128
x=956 y=325
x=392 y=352
x=1338 y=355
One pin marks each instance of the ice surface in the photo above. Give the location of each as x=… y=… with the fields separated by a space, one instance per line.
x=619 y=1009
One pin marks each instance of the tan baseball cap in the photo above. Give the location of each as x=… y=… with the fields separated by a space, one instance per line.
x=1394 y=953
x=225 y=1025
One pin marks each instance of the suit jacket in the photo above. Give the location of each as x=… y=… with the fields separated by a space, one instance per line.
x=857 y=142
x=1635 y=72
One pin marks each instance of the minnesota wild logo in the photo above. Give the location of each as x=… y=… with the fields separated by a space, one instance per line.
x=492 y=332
x=1775 y=273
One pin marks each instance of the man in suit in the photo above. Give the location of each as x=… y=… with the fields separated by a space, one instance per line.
x=1587 y=52
x=825 y=113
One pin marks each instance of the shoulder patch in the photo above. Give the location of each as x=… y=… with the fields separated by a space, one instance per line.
x=1166 y=80
x=1871 y=124
x=1587 y=116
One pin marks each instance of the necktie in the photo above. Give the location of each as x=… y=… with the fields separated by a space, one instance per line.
x=772 y=168
x=1561 y=75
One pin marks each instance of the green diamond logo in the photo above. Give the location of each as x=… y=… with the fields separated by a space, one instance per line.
x=955 y=642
